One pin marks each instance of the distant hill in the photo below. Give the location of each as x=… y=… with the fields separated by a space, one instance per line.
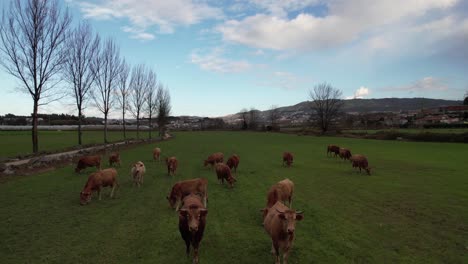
x=303 y=109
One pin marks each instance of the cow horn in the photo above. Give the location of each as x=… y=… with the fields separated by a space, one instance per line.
x=299 y=212
x=279 y=211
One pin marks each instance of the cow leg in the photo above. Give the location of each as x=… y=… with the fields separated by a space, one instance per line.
x=195 y=254
x=112 y=192
x=187 y=247
x=285 y=256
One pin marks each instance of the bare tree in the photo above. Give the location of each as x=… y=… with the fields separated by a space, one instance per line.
x=106 y=69
x=123 y=93
x=244 y=116
x=81 y=47
x=151 y=99
x=138 y=83
x=326 y=103
x=253 y=118
x=164 y=109
x=273 y=117
x=33 y=34
x=465 y=101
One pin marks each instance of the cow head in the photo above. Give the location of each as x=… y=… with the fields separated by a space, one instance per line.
x=231 y=180
x=85 y=197
x=289 y=218
x=205 y=163
x=138 y=167
x=368 y=170
x=193 y=216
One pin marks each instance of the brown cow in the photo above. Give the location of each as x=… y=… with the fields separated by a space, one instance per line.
x=288 y=158
x=184 y=188
x=138 y=172
x=360 y=161
x=171 y=164
x=224 y=173
x=214 y=158
x=157 y=154
x=192 y=221
x=233 y=162
x=345 y=154
x=281 y=191
x=333 y=149
x=96 y=181
x=280 y=224
x=88 y=161
x=114 y=158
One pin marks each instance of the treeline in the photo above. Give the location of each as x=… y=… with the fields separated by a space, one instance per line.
x=40 y=48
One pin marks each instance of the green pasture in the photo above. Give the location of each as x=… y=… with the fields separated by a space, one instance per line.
x=13 y=143
x=412 y=209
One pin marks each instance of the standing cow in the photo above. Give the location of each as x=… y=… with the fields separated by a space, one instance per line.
x=96 y=181
x=233 y=162
x=280 y=224
x=171 y=164
x=157 y=154
x=345 y=154
x=224 y=173
x=213 y=159
x=114 y=158
x=182 y=189
x=333 y=149
x=281 y=191
x=192 y=221
x=288 y=158
x=360 y=161
x=88 y=161
x=138 y=172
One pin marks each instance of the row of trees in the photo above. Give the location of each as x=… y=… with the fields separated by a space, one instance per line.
x=40 y=49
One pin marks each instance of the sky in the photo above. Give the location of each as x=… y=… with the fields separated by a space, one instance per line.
x=217 y=57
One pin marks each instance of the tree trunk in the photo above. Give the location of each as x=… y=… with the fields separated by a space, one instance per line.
x=124 y=127
x=138 y=127
x=35 y=140
x=150 y=127
x=80 y=133
x=105 y=128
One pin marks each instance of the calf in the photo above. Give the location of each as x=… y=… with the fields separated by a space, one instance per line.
x=138 y=172
x=114 y=158
x=171 y=164
x=345 y=154
x=280 y=224
x=233 y=162
x=281 y=191
x=333 y=149
x=214 y=158
x=360 y=161
x=192 y=221
x=224 y=173
x=96 y=181
x=88 y=161
x=187 y=187
x=157 y=154
x=288 y=158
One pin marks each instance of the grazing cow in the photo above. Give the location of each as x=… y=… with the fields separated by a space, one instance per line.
x=96 y=181
x=280 y=224
x=171 y=164
x=138 y=172
x=114 y=158
x=288 y=158
x=157 y=154
x=282 y=191
x=333 y=149
x=360 y=161
x=88 y=161
x=345 y=154
x=187 y=187
x=192 y=221
x=224 y=173
x=233 y=162
x=214 y=158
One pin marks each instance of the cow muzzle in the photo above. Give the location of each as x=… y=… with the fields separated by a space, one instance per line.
x=290 y=231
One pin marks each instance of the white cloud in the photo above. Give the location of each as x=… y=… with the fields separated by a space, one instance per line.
x=138 y=33
x=144 y=14
x=360 y=93
x=283 y=80
x=345 y=22
x=427 y=84
x=214 y=61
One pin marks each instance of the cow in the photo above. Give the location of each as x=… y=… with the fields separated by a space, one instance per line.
x=138 y=172
x=345 y=154
x=171 y=164
x=333 y=149
x=183 y=188
x=288 y=158
x=157 y=154
x=192 y=221
x=213 y=159
x=96 y=181
x=233 y=162
x=280 y=224
x=224 y=173
x=88 y=161
x=114 y=158
x=360 y=161
x=281 y=191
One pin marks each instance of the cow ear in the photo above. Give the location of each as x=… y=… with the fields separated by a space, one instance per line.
x=203 y=212
x=282 y=216
x=183 y=212
x=299 y=217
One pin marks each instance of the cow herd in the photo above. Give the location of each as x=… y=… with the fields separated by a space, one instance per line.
x=357 y=160
x=189 y=198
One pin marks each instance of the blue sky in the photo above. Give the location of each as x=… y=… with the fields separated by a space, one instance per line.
x=217 y=57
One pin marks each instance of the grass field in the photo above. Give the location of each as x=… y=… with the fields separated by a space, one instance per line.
x=413 y=209
x=13 y=143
